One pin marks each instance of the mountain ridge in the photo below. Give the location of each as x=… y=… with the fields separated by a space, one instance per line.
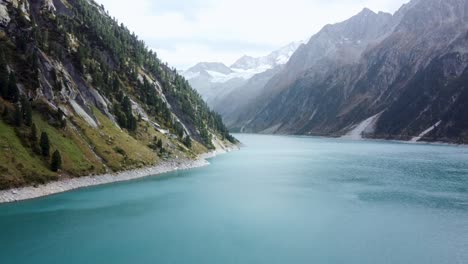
x=81 y=91
x=423 y=40
x=216 y=83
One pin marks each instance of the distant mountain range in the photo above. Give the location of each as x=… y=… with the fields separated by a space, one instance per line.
x=377 y=75
x=215 y=80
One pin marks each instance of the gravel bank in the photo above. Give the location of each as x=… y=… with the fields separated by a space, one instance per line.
x=26 y=193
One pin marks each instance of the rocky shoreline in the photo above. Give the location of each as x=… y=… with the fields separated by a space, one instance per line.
x=27 y=193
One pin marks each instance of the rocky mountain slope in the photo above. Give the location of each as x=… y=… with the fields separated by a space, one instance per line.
x=401 y=76
x=80 y=94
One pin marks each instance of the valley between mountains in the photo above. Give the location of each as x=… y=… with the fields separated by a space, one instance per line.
x=400 y=76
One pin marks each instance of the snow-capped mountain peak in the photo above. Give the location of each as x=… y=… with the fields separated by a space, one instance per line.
x=244 y=68
x=210 y=66
x=245 y=62
x=277 y=57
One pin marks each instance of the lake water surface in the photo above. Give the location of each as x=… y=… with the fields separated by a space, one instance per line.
x=278 y=200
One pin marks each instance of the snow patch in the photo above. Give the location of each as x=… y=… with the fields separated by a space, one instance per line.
x=313 y=115
x=272 y=129
x=246 y=67
x=365 y=126
x=283 y=59
x=238 y=74
x=191 y=75
x=425 y=132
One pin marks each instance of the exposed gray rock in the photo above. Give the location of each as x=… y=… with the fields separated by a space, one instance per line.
x=4 y=16
x=48 y=5
x=410 y=66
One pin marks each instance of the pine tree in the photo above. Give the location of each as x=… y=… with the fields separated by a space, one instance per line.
x=45 y=145
x=27 y=111
x=35 y=70
x=56 y=163
x=126 y=105
x=61 y=118
x=18 y=116
x=115 y=83
x=3 y=75
x=6 y=113
x=13 y=92
x=33 y=135
x=33 y=138
x=188 y=142
x=131 y=123
x=22 y=42
x=81 y=56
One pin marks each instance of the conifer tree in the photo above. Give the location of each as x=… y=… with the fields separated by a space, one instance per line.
x=33 y=135
x=18 y=116
x=45 y=145
x=188 y=142
x=3 y=75
x=61 y=118
x=35 y=70
x=126 y=105
x=27 y=111
x=13 y=92
x=132 y=122
x=56 y=163
x=5 y=113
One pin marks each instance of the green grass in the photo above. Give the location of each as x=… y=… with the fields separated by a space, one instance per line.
x=18 y=165
x=77 y=158
x=115 y=146
x=198 y=148
x=147 y=132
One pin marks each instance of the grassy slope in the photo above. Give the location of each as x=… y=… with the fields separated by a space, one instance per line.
x=118 y=149
x=18 y=165
x=77 y=158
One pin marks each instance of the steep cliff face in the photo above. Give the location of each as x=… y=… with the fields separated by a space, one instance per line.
x=236 y=104
x=406 y=70
x=339 y=44
x=103 y=100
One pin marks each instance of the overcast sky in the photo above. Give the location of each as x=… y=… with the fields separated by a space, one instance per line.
x=184 y=32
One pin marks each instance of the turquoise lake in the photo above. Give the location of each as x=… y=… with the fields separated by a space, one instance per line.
x=278 y=200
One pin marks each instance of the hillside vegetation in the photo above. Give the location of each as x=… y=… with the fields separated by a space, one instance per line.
x=80 y=94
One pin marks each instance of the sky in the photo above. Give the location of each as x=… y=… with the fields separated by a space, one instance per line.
x=185 y=32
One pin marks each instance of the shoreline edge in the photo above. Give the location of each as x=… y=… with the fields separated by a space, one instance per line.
x=66 y=185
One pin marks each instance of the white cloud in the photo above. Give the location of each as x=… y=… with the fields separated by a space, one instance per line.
x=223 y=30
